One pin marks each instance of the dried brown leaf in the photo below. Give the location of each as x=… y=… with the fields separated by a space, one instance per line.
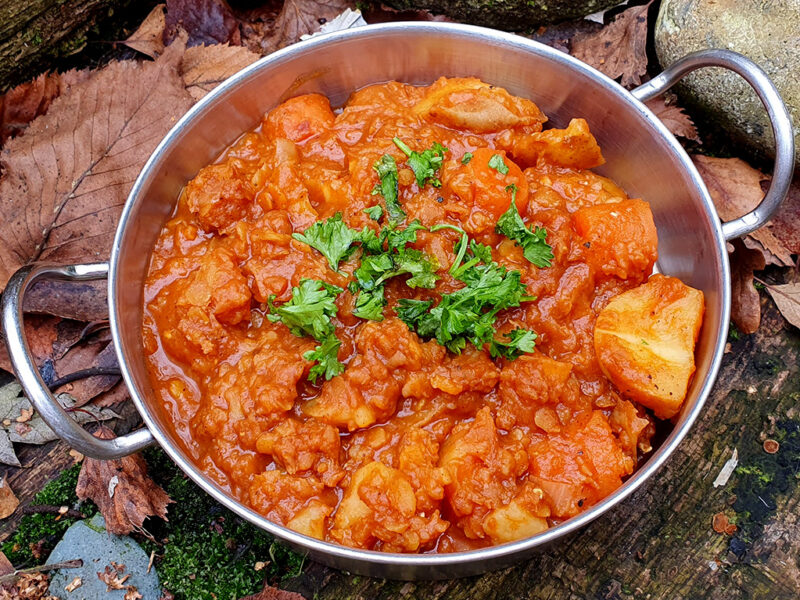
x=122 y=490
x=88 y=357
x=5 y=565
x=116 y=395
x=787 y=298
x=22 y=104
x=381 y=13
x=8 y=500
x=204 y=67
x=735 y=188
x=745 y=301
x=131 y=593
x=66 y=179
x=73 y=585
x=675 y=119
x=618 y=49
x=149 y=37
x=112 y=577
x=272 y=593
x=206 y=22
x=300 y=17
x=786 y=222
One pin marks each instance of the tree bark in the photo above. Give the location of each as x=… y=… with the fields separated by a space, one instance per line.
x=36 y=35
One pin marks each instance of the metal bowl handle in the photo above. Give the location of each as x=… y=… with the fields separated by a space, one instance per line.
x=778 y=115
x=31 y=381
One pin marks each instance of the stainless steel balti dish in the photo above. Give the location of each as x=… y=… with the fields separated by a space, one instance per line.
x=642 y=157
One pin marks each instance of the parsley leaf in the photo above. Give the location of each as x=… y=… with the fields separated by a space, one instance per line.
x=468 y=314
x=327 y=360
x=520 y=341
x=425 y=163
x=374 y=212
x=332 y=237
x=370 y=303
x=417 y=264
x=466 y=158
x=533 y=241
x=386 y=168
x=498 y=164
x=309 y=310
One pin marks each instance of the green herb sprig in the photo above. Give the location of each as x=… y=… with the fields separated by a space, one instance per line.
x=533 y=241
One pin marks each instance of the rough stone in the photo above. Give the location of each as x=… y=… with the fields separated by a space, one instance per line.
x=766 y=31
x=512 y=15
x=88 y=540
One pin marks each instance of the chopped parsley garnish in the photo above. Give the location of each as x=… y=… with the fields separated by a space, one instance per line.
x=386 y=256
x=520 y=341
x=386 y=168
x=327 y=360
x=466 y=158
x=308 y=313
x=469 y=314
x=498 y=164
x=374 y=212
x=533 y=241
x=332 y=237
x=425 y=163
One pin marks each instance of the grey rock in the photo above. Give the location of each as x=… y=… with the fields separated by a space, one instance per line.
x=766 y=31
x=513 y=15
x=88 y=540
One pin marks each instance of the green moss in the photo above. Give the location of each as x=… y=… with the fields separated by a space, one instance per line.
x=733 y=333
x=763 y=478
x=209 y=552
x=42 y=531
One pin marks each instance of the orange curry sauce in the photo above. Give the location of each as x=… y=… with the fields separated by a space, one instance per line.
x=412 y=448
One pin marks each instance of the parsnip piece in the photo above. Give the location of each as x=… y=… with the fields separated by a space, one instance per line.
x=645 y=338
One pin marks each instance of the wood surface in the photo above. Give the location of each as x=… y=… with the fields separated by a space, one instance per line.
x=659 y=544
x=36 y=35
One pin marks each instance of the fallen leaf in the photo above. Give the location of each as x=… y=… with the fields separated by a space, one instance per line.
x=116 y=395
x=22 y=104
x=599 y=16
x=272 y=593
x=745 y=301
x=674 y=118
x=135 y=496
x=76 y=456
x=87 y=358
x=300 y=17
x=206 y=22
x=619 y=48
x=73 y=585
x=5 y=565
x=787 y=298
x=8 y=500
x=7 y=454
x=786 y=222
x=66 y=179
x=204 y=67
x=735 y=188
x=25 y=415
x=131 y=593
x=27 y=586
x=35 y=431
x=149 y=37
x=111 y=577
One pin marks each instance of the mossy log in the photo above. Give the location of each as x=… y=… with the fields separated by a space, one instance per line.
x=512 y=15
x=36 y=35
x=660 y=544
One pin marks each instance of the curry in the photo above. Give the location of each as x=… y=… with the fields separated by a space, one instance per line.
x=418 y=323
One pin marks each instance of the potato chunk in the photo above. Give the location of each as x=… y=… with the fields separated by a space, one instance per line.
x=468 y=103
x=645 y=341
x=574 y=147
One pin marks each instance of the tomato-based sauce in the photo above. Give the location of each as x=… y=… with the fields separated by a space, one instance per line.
x=413 y=447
